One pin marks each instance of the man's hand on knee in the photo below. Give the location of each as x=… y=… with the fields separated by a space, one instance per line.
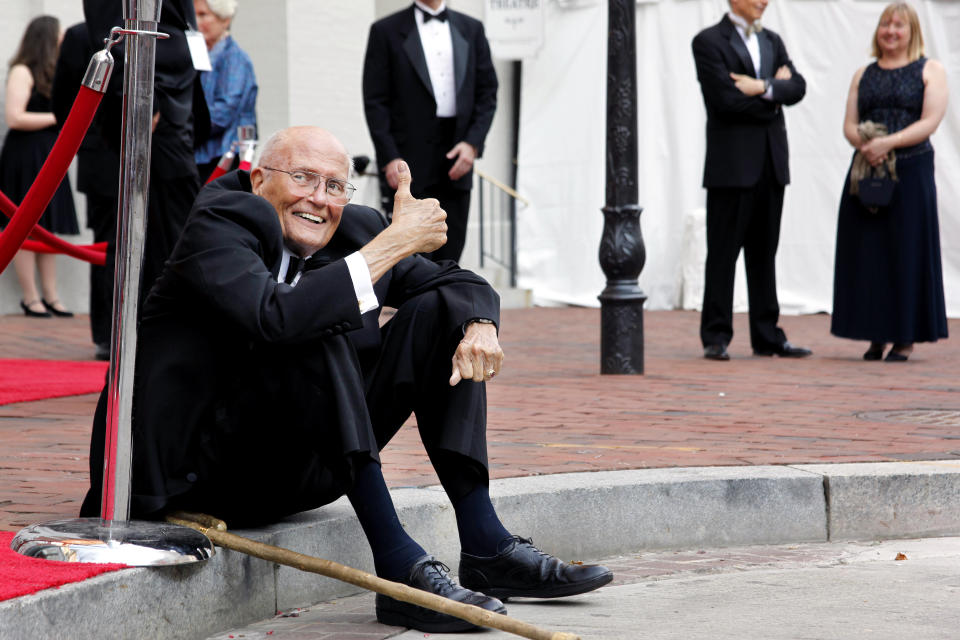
x=478 y=356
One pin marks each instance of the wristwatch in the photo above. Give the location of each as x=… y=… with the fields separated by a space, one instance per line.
x=478 y=321
x=766 y=85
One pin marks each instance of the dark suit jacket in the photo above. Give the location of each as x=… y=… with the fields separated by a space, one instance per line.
x=398 y=97
x=98 y=165
x=254 y=388
x=178 y=96
x=740 y=127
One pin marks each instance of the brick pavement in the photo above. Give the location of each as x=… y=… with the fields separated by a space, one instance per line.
x=551 y=411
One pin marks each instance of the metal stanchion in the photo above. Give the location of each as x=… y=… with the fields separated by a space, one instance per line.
x=247 y=142
x=113 y=537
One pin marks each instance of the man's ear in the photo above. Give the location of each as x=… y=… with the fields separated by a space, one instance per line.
x=256 y=180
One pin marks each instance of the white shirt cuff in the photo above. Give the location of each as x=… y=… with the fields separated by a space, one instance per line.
x=360 y=274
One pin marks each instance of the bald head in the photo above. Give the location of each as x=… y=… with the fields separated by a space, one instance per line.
x=299 y=141
x=294 y=173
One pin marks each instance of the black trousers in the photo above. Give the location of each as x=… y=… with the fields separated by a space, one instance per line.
x=102 y=219
x=456 y=203
x=169 y=203
x=433 y=182
x=412 y=376
x=747 y=219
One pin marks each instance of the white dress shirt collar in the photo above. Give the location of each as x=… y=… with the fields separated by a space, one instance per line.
x=425 y=8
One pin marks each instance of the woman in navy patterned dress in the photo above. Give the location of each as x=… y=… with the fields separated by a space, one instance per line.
x=888 y=281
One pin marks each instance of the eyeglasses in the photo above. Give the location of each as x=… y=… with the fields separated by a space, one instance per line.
x=307 y=182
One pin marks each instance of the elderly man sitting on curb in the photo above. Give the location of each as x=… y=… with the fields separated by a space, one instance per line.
x=264 y=385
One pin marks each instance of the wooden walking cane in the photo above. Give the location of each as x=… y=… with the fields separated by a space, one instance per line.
x=216 y=530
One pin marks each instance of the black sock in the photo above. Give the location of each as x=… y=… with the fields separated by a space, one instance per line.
x=465 y=481
x=394 y=551
x=478 y=524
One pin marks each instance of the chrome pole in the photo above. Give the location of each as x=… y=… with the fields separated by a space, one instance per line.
x=113 y=537
x=139 y=57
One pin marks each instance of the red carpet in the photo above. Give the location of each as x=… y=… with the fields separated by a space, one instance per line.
x=20 y=575
x=26 y=380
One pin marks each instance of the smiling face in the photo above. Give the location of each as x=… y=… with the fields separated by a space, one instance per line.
x=749 y=10
x=308 y=219
x=893 y=34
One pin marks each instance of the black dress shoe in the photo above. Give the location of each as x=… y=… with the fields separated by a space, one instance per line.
x=522 y=570
x=101 y=351
x=60 y=313
x=785 y=350
x=716 y=352
x=429 y=574
x=30 y=313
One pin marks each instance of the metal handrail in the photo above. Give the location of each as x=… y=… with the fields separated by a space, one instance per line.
x=497 y=212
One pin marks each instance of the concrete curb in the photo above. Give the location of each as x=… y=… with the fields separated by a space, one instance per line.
x=574 y=516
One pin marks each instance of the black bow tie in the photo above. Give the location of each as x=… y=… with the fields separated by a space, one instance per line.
x=427 y=17
x=293 y=268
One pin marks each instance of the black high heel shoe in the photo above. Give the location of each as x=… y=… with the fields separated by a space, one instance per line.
x=899 y=352
x=57 y=312
x=30 y=313
x=875 y=352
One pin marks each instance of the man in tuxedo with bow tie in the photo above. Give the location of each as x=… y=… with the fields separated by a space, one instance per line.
x=746 y=78
x=429 y=94
x=265 y=386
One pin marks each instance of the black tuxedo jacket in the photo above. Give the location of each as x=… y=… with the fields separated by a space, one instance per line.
x=740 y=128
x=248 y=387
x=398 y=97
x=178 y=95
x=98 y=165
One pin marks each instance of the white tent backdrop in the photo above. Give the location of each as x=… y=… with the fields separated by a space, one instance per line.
x=562 y=134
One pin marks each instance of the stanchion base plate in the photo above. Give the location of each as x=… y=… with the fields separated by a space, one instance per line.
x=132 y=542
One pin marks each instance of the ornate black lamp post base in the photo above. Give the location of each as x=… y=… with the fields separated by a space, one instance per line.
x=622 y=256
x=622 y=253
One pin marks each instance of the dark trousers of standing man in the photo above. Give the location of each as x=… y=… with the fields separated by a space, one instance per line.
x=434 y=182
x=749 y=219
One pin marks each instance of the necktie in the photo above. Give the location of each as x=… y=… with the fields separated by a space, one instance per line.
x=293 y=268
x=427 y=17
x=756 y=27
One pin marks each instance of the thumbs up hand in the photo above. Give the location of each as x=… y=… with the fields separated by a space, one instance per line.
x=421 y=222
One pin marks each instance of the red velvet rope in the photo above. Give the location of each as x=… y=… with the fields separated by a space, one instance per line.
x=216 y=173
x=97 y=249
x=51 y=174
x=49 y=243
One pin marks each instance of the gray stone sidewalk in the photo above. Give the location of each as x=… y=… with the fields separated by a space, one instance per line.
x=894 y=590
x=576 y=516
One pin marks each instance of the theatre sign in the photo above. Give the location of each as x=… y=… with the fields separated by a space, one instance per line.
x=514 y=27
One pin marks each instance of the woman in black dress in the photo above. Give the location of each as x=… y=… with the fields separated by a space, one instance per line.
x=888 y=280
x=32 y=133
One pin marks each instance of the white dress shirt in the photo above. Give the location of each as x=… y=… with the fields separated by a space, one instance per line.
x=438 y=51
x=753 y=47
